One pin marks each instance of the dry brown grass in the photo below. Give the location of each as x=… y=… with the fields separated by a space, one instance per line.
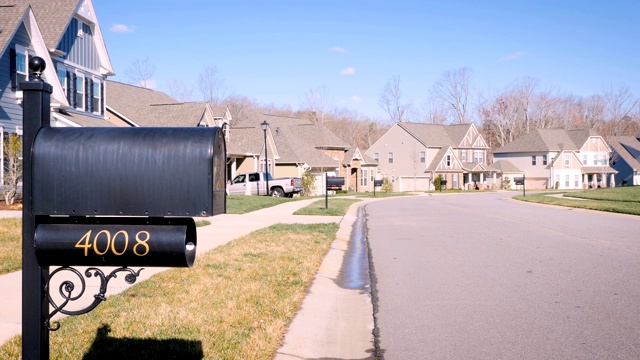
x=10 y=245
x=235 y=303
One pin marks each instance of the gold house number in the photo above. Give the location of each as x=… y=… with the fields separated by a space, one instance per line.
x=141 y=248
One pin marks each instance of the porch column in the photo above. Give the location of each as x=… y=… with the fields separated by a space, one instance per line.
x=585 y=183
x=612 y=181
x=495 y=180
x=481 y=181
x=234 y=168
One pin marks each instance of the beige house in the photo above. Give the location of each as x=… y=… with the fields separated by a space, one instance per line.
x=412 y=155
x=294 y=146
x=563 y=159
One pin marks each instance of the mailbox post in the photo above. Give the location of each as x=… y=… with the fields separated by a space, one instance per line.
x=35 y=304
x=377 y=183
x=106 y=197
x=521 y=181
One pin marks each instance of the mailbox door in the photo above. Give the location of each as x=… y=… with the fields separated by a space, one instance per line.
x=129 y=171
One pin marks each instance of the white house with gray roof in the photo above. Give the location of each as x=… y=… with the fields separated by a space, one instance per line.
x=625 y=158
x=412 y=155
x=558 y=158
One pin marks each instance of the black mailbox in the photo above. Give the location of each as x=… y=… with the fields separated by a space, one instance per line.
x=129 y=171
x=97 y=241
x=518 y=181
x=378 y=182
x=335 y=183
x=443 y=182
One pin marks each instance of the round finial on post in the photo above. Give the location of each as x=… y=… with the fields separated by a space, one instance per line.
x=37 y=66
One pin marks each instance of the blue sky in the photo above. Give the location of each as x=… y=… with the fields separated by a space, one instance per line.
x=276 y=51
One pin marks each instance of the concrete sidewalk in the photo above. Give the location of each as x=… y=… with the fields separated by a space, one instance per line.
x=335 y=307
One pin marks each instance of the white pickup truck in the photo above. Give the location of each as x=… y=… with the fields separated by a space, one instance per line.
x=255 y=184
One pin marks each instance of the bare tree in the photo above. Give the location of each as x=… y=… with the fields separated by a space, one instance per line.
x=620 y=108
x=454 y=90
x=435 y=112
x=212 y=87
x=140 y=72
x=391 y=101
x=242 y=109
x=316 y=104
x=179 y=91
x=12 y=167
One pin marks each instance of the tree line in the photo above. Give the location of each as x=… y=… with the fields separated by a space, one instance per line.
x=501 y=116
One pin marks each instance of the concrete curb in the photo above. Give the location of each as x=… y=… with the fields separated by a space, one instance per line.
x=333 y=322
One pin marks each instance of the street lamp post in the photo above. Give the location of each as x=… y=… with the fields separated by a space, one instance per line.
x=265 y=126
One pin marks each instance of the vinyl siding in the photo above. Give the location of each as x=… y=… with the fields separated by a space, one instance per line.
x=80 y=50
x=10 y=109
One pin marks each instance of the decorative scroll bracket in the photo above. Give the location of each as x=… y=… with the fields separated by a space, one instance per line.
x=67 y=288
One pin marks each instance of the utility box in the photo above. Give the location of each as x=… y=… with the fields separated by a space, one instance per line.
x=151 y=172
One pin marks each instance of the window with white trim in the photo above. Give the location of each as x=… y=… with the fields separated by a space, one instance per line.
x=363 y=178
x=22 y=67
x=533 y=160
x=62 y=76
x=585 y=160
x=390 y=158
x=567 y=160
x=576 y=180
x=80 y=92
x=423 y=157
x=566 y=181
x=95 y=106
x=376 y=157
x=478 y=156
x=463 y=155
x=448 y=160
x=544 y=160
x=557 y=180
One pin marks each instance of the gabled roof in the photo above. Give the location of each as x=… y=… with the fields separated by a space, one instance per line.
x=437 y=160
x=504 y=167
x=297 y=140
x=54 y=16
x=430 y=135
x=544 y=140
x=12 y=13
x=146 y=107
x=627 y=148
x=245 y=141
x=74 y=119
x=354 y=152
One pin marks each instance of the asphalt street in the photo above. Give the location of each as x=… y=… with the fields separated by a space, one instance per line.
x=480 y=276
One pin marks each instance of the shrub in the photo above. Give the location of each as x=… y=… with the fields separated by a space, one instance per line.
x=505 y=184
x=308 y=183
x=387 y=186
x=437 y=182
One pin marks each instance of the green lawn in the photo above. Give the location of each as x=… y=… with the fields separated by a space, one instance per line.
x=624 y=200
x=336 y=207
x=242 y=204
